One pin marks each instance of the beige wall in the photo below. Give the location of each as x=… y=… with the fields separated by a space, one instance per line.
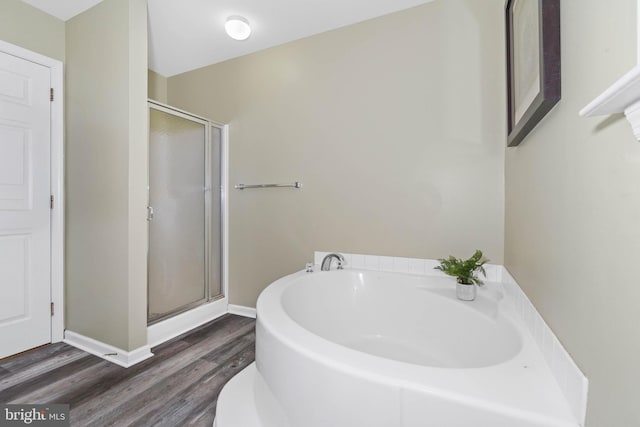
x=30 y=28
x=138 y=173
x=573 y=213
x=157 y=87
x=397 y=136
x=106 y=85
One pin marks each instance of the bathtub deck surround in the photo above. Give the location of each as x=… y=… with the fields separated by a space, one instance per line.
x=493 y=272
x=493 y=374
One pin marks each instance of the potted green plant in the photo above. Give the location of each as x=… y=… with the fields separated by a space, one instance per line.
x=465 y=272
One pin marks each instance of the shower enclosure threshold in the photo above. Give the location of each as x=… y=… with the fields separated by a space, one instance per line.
x=167 y=329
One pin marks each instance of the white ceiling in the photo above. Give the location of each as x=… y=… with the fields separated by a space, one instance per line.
x=189 y=34
x=63 y=9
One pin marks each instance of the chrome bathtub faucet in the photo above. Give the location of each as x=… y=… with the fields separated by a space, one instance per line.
x=326 y=262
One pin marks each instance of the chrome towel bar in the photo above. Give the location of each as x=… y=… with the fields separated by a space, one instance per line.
x=296 y=184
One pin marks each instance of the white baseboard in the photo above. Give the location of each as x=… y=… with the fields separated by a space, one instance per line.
x=107 y=351
x=241 y=310
x=184 y=322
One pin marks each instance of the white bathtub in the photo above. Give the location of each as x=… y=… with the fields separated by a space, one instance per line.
x=361 y=348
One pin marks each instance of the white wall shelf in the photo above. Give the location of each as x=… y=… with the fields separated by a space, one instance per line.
x=621 y=97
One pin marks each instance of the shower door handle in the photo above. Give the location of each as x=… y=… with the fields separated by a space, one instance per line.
x=150 y=213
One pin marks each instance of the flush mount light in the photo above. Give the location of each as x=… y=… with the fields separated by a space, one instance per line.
x=237 y=27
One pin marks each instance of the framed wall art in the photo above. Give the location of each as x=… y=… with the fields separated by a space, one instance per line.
x=533 y=64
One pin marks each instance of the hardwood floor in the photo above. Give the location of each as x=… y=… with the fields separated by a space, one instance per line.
x=178 y=386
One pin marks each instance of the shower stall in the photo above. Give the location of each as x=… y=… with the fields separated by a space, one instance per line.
x=185 y=212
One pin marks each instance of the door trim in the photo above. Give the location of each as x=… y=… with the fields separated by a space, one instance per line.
x=57 y=180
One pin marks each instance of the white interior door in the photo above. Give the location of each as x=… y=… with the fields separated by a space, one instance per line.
x=25 y=226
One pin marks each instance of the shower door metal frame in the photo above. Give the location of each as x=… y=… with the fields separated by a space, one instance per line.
x=208 y=298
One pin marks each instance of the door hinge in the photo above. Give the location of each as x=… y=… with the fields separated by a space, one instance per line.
x=52 y=309
x=51 y=202
x=51 y=94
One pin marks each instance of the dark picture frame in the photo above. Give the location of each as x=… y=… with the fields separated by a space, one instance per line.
x=533 y=64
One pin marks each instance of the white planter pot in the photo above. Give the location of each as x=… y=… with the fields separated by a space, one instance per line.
x=466 y=292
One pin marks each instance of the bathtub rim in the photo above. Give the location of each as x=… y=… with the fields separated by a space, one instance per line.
x=488 y=306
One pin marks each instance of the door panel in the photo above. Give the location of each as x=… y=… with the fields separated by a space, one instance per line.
x=25 y=230
x=15 y=168
x=14 y=253
x=177 y=239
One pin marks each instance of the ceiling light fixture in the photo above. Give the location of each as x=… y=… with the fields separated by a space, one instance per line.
x=237 y=27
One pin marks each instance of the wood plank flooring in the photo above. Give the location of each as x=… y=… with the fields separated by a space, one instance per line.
x=178 y=386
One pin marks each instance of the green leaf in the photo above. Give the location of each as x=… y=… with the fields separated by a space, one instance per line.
x=464 y=270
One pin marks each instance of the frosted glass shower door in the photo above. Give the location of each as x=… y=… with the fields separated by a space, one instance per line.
x=177 y=217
